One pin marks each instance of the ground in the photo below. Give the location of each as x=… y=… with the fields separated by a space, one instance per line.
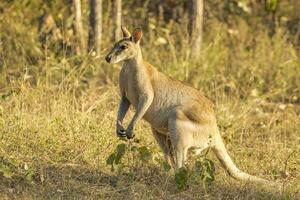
x=56 y=146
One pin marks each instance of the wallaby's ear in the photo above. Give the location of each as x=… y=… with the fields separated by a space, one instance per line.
x=137 y=35
x=125 y=31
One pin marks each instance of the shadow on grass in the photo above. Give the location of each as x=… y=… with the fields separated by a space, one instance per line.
x=75 y=182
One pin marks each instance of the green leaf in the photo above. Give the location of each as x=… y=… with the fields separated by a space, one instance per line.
x=205 y=169
x=181 y=178
x=30 y=174
x=271 y=5
x=198 y=167
x=210 y=164
x=209 y=176
x=110 y=160
x=206 y=152
x=145 y=153
x=166 y=166
x=6 y=171
x=120 y=153
x=287 y=197
x=134 y=148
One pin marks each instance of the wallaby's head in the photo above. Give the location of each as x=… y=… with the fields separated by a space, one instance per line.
x=126 y=48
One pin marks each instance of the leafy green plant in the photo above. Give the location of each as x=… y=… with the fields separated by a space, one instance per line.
x=205 y=169
x=116 y=157
x=203 y=173
x=10 y=169
x=167 y=167
x=138 y=153
x=144 y=153
x=30 y=173
x=271 y=5
x=181 y=178
x=5 y=171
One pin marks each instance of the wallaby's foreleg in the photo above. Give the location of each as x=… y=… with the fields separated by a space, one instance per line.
x=143 y=105
x=166 y=146
x=123 y=108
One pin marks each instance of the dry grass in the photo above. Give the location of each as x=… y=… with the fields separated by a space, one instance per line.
x=57 y=113
x=54 y=146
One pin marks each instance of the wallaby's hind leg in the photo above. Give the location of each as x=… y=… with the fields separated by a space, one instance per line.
x=166 y=146
x=181 y=138
x=181 y=156
x=186 y=134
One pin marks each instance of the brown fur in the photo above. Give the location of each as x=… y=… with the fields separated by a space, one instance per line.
x=181 y=117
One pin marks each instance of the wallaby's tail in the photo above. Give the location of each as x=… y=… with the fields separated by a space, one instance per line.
x=221 y=153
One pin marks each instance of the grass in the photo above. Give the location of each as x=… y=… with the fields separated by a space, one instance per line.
x=58 y=111
x=55 y=146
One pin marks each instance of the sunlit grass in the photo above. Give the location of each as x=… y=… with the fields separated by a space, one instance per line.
x=58 y=111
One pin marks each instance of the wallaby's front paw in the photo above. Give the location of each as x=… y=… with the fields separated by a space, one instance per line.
x=121 y=132
x=129 y=133
x=130 y=136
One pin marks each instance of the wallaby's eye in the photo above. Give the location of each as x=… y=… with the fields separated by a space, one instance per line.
x=123 y=47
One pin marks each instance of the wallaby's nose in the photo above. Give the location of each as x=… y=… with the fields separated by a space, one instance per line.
x=108 y=58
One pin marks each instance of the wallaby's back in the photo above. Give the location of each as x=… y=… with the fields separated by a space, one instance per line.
x=170 y=93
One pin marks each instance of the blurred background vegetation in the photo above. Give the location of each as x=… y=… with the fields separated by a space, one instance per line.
x=249 y=46
x=58 y=97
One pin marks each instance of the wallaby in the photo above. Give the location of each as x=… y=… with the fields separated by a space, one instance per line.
x=181 y=118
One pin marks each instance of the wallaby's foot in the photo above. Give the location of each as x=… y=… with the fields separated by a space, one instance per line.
x=129 y=137
x=120 y=131
x=129 y=132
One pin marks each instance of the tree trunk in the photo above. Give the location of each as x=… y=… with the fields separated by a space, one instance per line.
x=80 y=46
x=196 y=27
x=118 y=19
x=95 y=34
